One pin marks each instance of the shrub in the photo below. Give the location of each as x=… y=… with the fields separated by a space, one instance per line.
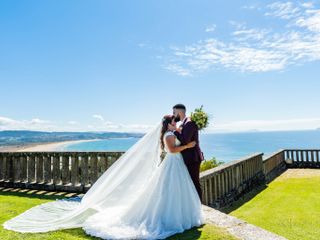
x=208 y=164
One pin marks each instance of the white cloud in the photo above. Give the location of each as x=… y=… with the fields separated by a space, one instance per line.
x=250 y=7
x=266 y=125
x=236 y=126
x=6 y=121
x=105 y=122
x=37 y=124
x=307 y=4
x=38 y=121
x=284 y=10
x=178 y=70
x=311 y=20
x=118 y=127
x=98 y=117
x=210 y=28
x=244 y=34
x=105 y=125
x=256 y=49
x=33 y=124
x=73 y=123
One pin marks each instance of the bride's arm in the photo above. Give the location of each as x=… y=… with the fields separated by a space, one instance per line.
x=188 y=133
x=170 y=140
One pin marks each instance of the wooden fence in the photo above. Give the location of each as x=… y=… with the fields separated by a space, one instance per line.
x=225 y=183
x=77 y=171
x=61 y=171
x=222 y=184
x=273 y=165
x=309 y=158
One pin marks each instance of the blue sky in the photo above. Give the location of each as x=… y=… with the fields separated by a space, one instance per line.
x=122 y=65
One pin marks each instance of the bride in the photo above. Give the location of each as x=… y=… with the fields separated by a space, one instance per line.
x=139 y=197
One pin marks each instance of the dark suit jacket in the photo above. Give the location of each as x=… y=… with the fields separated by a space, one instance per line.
x=189 y=133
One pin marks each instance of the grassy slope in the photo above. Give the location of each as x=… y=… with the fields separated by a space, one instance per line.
x=12 y=204
x=289 y=207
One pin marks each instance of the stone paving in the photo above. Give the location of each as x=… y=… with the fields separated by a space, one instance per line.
x=239 y=228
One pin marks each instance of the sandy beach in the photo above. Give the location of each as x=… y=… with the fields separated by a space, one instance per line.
x=42 y=147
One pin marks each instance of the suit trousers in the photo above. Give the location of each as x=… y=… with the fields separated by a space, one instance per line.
x=194 y=171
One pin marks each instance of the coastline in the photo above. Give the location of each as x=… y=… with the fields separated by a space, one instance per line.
x=42 y=147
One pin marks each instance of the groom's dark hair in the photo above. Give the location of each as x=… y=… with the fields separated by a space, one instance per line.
x=179 y=106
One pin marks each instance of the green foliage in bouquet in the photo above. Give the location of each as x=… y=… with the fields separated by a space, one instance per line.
x=200 y=118
x=208 y=164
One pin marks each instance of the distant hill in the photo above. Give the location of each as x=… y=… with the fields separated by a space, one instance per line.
x=17 y=137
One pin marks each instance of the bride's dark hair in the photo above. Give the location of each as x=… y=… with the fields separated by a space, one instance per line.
x=165 y=122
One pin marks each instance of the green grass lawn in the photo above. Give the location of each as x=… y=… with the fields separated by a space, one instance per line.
x=288 y=206
x=14 y=203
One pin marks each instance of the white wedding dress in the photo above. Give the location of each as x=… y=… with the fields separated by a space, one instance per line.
x=136 y=198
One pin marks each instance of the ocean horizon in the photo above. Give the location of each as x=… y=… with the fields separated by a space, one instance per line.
x=224 y=147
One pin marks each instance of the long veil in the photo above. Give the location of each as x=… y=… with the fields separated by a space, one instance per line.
x=117 y=188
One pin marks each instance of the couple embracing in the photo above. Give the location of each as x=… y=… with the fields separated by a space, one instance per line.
x=141 y=196
x=187 y=133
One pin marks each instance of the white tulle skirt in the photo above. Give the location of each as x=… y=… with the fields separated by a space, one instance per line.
x=168 y=205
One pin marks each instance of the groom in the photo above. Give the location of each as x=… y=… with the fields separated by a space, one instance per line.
x=188 y=132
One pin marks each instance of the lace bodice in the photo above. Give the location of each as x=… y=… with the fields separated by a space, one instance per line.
x=169 y=133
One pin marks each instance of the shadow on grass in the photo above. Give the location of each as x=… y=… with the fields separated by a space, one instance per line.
x=243 y=199
x=40 y=194
x=71 y=233
x=202 y=232
x=193 y=233
x=250 y=195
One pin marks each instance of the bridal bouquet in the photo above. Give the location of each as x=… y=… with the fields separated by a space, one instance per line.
x=200 y=118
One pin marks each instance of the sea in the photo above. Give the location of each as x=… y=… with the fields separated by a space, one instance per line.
x=225 y=147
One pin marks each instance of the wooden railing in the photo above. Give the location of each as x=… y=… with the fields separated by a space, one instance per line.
x=273 y=165
x=223 y=184
x=77 y=171
x=61 y=171
x=303 y=157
